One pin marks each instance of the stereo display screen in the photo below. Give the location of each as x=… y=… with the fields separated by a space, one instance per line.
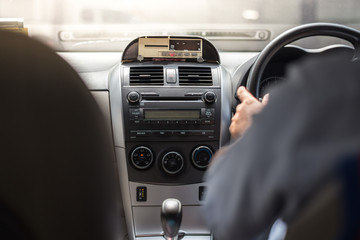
x=185 y=45
x=171 y=114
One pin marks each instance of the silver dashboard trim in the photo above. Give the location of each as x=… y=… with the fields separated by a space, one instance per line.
x=226 y=99
x=115 y=77
x=125 y=191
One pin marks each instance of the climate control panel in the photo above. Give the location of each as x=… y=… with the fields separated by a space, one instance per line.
x=166 y=162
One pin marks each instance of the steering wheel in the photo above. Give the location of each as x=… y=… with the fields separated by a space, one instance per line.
x=308 y=30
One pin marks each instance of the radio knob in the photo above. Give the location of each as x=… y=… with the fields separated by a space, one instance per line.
x=133 y=97
x=142 y=157
x=172 y=162
x=209 y=97
x=201 y=156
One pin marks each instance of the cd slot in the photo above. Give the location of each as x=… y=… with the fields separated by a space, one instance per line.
x=157 y=46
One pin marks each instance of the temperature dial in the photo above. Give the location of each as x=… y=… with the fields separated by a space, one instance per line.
x=201 y=156
x=142 y=157
x=172 y=162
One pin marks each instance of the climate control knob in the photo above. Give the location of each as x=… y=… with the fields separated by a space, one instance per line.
x=172 y=162
x=201 y=156
x=209 y=97
x=133 y=97
x=142 y=157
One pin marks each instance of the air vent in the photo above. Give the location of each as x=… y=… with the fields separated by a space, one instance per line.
x=195 y=76
x=146 y=76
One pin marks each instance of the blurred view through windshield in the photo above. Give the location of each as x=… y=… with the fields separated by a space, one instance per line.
x=46 y=18
x=180 y=11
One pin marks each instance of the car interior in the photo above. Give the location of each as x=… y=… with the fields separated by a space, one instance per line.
x=129 y=110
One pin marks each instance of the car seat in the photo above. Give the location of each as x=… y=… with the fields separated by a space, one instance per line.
x=57 y=166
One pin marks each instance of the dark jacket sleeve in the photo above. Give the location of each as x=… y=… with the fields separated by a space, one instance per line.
x=289 y=151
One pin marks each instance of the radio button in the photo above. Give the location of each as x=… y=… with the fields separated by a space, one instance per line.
x=181 y=133
x=203 y=133
x=209 y=97
x=133 y=97
x=157 y=122
x=136 y=122
x=141 y=133
x=163 y=133
x=208 y=112
x=208 y=121
x=135 y=113
x=185 y=122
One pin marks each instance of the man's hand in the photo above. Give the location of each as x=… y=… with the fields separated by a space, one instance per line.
x=249 y=106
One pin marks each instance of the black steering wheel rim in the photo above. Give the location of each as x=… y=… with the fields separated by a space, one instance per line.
x=308 y=30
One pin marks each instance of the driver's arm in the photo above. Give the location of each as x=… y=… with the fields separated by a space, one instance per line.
x=243 y=183
x=291 y=148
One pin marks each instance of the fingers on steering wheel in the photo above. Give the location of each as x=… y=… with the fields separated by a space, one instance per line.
x=239 y=108
x=245 y=96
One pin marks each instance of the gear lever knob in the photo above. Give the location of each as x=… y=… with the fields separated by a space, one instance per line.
x=171 y=215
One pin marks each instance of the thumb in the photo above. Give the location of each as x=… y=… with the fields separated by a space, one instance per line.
x=265 y=100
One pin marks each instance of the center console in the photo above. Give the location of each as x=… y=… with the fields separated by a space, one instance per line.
x=170 y=114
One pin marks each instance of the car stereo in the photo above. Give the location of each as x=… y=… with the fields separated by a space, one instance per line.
x=166 y=119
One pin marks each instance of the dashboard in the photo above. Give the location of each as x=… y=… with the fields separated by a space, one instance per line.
x=168 y=104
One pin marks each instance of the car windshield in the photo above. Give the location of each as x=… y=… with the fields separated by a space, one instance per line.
x=89 y=24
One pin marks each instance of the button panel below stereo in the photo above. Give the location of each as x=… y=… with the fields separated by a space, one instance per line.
x=169 y=133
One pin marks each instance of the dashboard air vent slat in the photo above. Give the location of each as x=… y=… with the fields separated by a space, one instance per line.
x=195 y=76
x=146 y=76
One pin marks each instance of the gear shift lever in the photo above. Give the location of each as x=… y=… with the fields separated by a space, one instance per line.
x=171 y=214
